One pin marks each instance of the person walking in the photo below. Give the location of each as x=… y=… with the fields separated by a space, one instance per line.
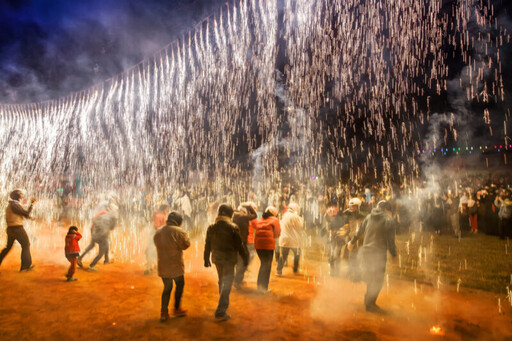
x=170 y=241
x=266 y=230
x=103 y=222
x=72 y=251
x=378 y=237
x=291 y=237
x=223 y=243
x=242 y=218
x=15 y=215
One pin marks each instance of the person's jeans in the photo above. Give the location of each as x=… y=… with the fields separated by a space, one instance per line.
x=18 y=233
x=225 y=271
x=284 y=255
x=265 y=268
x=166 y=293
x=103 y=251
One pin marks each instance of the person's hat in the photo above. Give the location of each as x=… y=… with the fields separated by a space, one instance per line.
x=174 y=218
x=331 y=211
x=16 y=194
x=354 y=201
x=272 y=210
x=226 y=210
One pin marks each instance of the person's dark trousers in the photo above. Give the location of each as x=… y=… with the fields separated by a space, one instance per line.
x=87 y=249
x=18 y=233
x=284 y=255
x=166 y=293
x=265 y=268
x=373 y=274
x=373 y=288
x=103 y=251
x=504 y=227
x=226 y=273
x=240 y=268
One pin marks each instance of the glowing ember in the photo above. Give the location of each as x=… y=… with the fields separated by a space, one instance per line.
x=436 y=330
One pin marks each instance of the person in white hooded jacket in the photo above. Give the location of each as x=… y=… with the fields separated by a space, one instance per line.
x=291 y=237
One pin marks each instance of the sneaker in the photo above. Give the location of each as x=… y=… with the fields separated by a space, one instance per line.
x=279 y=273
x=223 y=317
x=147 y=272
x=79 y=263
x=108 y=262
x=164 y=317
x=92 y=268
x=28 y=269
x=72 y=279
x=180 y=312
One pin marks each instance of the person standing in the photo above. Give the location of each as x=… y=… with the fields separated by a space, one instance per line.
x=242 y=217
x=290 y=238
x=72 y=250
x=170 y=241
x=378 y=238
x=267 y=230
x=223 y=243
x=15 y=215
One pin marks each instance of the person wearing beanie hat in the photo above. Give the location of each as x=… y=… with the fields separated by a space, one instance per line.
x=15 y=215
x=378 y=236
x=266 y=229
x=223 y=243
x=170 y=241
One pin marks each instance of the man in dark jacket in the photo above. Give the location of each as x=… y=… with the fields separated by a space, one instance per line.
x=15 y=216
x=378 y=237
x=224 y=242
x=242 y=217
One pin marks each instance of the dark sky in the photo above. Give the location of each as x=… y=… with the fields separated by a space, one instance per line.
x=50 y=48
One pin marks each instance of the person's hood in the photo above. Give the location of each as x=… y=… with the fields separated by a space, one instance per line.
x=378 y=213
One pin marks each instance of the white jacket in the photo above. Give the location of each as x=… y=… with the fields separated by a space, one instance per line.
x=291 y=229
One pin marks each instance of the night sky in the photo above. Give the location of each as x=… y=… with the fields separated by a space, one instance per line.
x=50 y=48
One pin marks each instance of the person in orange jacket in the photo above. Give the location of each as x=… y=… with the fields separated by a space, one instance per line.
x=72 y=250
x=266 y=230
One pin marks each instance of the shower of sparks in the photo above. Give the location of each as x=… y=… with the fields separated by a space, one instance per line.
x=216 y=109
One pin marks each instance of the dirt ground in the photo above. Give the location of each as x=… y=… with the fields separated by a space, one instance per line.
x=119 y=302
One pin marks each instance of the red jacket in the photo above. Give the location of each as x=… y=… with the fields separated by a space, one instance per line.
x=72 y=247
x=264 y=231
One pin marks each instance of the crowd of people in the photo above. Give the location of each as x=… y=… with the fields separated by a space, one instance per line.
x=358 y=225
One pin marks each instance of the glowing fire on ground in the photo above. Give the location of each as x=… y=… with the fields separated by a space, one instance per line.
x=436 y=330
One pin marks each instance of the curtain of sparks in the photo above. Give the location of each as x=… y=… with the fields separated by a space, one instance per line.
x=357 y=85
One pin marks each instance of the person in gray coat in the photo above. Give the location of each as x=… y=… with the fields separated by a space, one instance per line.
x=378 y=237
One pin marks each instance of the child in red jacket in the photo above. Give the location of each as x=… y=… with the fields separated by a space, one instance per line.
x=72 y=250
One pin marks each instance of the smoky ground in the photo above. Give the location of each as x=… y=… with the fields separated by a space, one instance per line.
x=119 y=302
